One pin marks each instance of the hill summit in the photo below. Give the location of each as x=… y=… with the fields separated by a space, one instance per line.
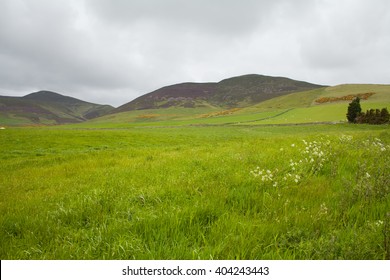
x=47 y=107
x=238 y=91
x=50 y=96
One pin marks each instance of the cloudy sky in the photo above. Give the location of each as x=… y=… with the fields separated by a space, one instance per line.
x=111 y=51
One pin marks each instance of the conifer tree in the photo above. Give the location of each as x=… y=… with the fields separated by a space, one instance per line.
x=354 y=110
x=385 y=115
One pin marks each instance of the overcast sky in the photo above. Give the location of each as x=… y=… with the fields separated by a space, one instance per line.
x=112 y=51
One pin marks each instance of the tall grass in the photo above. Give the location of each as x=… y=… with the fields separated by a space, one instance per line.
x=188 y=193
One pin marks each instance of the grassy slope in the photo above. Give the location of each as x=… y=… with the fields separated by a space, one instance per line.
x=293 y=108
x=26 y=112
x=306 y=110
x=288 y=109
x=187 y=193
x=241 y=91
x=10 y=120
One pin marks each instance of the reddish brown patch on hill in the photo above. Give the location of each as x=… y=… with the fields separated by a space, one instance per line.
x=220 y=113
x=349 y=97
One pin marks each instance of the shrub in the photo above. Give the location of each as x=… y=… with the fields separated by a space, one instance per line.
x=374 y=116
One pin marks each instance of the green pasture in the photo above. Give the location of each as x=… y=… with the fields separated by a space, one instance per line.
x=154 y=191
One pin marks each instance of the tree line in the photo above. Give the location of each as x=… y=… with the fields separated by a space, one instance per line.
x=371 y=116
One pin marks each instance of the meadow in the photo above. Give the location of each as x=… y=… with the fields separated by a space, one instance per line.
x=201 y=191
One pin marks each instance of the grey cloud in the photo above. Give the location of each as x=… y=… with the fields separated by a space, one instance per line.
x=223 y=17
x=113 y=51
x=41 y=47
x=346 y=36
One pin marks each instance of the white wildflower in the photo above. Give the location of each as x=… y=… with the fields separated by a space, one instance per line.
x=379 y=223
x=323 y=209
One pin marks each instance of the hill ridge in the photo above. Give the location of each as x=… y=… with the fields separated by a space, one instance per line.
x=48 y=107
x=238 y=91
x=47 y=95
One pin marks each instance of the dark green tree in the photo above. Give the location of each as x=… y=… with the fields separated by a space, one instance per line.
x=354 y=110
x=374 y=116
x=385 y=116
x=370 y=116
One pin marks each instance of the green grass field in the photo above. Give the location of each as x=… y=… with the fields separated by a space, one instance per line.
x=284 y=179
x=171 y=190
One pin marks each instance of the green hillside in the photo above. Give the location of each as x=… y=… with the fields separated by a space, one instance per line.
x=304 y=108
x=47 y=108
x=323 y=104
x=299 y=107
x=241 y=91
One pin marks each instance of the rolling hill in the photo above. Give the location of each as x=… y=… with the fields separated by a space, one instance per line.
x=46 y=107
x=243 y=100
x=239 y=91
x=292 y=108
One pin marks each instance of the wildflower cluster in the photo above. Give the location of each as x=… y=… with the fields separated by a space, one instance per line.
x=345 y=138
x=370 y=145
x=292 y=178
x=322 y=212
x=316 y=154
x=377 y=225
x=311 y=158
x=265 y=175
x=379 y=145
x=372 y=177
x=314 y=157
x=323 y=209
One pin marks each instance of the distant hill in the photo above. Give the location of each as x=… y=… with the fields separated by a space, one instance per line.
x=46 y=107
x=50 y=96
x=239 y=91
x=321 y=105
